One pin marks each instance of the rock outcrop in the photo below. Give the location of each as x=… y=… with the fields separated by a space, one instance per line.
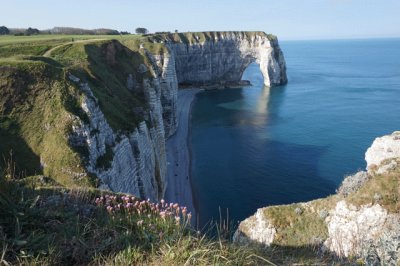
x=352 y=183
x=383 y=148
x=361 y=220
x=220 y=58
x=350 y=229
x=255 y=228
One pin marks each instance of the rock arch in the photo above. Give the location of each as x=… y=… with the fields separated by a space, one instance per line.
x=221 y=58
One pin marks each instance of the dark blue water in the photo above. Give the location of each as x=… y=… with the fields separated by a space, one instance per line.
x=257 y=146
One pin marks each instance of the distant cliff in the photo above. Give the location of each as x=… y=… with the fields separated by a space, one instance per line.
x=97 y=112
x=220 y=58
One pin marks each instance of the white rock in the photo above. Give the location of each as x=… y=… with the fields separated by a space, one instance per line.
x=383 y=148
x=257 y=229
x=226 y=58
x=350 y=228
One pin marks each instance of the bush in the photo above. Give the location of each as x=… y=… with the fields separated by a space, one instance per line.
x=141 y=31
x=4 y=30
x=31 y=31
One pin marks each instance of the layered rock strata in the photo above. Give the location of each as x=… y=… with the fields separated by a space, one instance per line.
x=221 y=58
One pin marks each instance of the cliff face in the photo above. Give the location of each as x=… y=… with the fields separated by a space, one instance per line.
x=221 y=58
x=361 y=220
x=117 y=102
x=138 y=159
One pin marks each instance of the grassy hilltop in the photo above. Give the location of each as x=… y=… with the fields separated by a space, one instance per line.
x=37 y=97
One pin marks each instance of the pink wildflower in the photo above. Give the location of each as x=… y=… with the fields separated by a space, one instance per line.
x=110 y=209
x=162 y=214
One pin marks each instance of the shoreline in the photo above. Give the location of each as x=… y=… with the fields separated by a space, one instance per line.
x=179 y=185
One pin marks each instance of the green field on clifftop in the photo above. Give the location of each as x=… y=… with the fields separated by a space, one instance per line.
x=37 y=98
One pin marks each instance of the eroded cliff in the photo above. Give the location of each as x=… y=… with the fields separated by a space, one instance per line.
x=220 y=58
x=98 y=112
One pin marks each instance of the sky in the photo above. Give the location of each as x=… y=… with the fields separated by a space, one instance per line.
x=288 y=19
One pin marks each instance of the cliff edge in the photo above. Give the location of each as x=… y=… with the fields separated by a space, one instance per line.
x=361 y=220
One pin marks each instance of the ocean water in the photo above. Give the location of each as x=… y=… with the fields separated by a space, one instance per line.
x=260 y=146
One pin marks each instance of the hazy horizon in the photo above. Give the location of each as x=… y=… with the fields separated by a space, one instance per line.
x=289 y=20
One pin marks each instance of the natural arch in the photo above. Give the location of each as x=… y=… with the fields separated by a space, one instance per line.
x=222 y=58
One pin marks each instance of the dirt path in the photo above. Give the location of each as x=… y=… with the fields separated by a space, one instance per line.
x=48 y=52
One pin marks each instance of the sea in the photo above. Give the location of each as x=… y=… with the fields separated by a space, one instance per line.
x=258 y=146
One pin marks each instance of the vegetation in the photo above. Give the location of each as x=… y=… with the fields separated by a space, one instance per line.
x=141 y=31
x=59 y=30
x=45 y=225
x=31 y=31
x=382 y=188
x=196 y=37
x=78 y=31
x=4 y=30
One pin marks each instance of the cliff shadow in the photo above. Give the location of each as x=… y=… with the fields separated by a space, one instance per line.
x=16 y=157
x=299 y=255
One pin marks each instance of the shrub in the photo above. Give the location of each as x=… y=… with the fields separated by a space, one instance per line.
x=4 y=30
x=141 y=31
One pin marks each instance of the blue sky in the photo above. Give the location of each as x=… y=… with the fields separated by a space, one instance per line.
x=288 y=19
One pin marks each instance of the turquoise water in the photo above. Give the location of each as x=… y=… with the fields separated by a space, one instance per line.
x=257 y=146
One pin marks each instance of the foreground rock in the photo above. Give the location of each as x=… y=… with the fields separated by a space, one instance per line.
x=383 y=148
x=362 y=220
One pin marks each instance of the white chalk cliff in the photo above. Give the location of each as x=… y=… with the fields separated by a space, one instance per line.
x=138 y=158
x=221 y=58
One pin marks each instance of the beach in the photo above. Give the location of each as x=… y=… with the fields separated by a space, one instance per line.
x=178 y=155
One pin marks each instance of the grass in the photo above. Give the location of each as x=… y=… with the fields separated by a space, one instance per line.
x=383 y=189
x=296 y=229
x=37 y=100
x=46 y=225
x=42 y=223
x=200 y=37
x=34 y=121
